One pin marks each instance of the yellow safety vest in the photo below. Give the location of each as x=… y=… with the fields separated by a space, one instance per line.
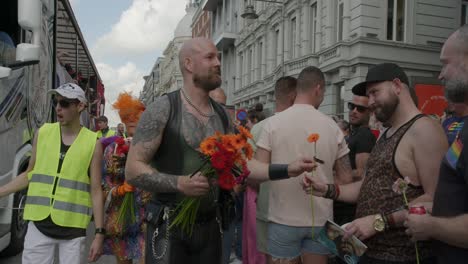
x=70 y=206
x=109 y=133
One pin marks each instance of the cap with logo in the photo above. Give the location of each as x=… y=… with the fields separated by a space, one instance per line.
x=380 y=73
x=70 y=91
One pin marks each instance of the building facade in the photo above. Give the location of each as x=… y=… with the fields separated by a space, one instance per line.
x=152 y=82
x=343 y=38
x=169 y=74
x=201 y=24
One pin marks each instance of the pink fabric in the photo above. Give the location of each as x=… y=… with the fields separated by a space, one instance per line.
x=250 y=254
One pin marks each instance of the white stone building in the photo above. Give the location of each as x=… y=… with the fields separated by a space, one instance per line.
x=342 y=37
x=170 y=76
x=152 y=82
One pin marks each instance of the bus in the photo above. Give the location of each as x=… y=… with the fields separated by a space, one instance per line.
x=41 y=47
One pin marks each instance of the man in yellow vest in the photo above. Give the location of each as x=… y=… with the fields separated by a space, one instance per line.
x=104 y=130
x=64 y=185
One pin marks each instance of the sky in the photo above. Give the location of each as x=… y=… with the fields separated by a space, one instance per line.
x=125 y=37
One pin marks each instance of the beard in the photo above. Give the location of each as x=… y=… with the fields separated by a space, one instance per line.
x=386 y=110
x=456 y=90
x=208 y=82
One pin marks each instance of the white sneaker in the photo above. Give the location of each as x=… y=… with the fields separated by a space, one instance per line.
x=236 y=261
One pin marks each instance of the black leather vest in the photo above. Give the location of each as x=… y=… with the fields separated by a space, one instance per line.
x=174 y=155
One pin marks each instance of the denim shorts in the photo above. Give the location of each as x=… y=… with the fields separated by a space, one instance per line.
x=290 y=241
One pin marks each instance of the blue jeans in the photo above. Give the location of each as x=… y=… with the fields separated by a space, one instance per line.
x=233 y=234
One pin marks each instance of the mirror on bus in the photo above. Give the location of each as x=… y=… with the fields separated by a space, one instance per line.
x=29 y=18
x=4 y=72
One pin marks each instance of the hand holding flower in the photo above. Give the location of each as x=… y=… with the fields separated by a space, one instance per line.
x=314 y=185
x=300 y=166
x=194 y=186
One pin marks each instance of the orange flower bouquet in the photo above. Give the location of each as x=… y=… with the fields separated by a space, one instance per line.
x=224 y=160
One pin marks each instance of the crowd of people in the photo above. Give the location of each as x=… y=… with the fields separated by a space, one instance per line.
x=130 y=181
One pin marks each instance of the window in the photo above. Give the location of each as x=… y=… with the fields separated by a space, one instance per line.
x=339 y=22
x=339 y=107
x=260 y=57
x=464 y=14
x=249 y=66
x=292 y=48
x=241 y=71
x=276 y=46
x=396 y=20
x=213 y=22
x=313 y=26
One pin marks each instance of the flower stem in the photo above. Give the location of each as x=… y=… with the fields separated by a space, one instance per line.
x=417 y=252
x=406 y=200
x=312 y=205
x=415 y=243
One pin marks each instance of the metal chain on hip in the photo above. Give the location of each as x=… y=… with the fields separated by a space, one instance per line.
x=166 y=238
x=220 y=227
x=196 y=108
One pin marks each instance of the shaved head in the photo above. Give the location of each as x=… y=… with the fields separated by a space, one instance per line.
x=198 y=60
x=193 y=47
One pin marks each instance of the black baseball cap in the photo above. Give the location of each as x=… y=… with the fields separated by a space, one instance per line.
x=380 y=73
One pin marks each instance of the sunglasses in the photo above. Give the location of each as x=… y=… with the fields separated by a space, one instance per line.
x=360 y=108
x=65 y=103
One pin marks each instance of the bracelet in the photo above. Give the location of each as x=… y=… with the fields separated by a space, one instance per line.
x=328 y=192
x=385 y=219
x=101 y=231
x=337 y=192
x=278 y=172
x=390 y=220
x=331 y=192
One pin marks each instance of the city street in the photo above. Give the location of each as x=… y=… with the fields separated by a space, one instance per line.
x=90 y=232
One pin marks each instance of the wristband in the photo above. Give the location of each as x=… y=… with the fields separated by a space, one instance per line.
x=278 y=172
x=101 y=231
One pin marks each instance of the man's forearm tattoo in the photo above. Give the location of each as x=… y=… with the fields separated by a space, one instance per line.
x=155 y=182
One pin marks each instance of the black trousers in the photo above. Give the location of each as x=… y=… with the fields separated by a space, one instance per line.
x=204 y=246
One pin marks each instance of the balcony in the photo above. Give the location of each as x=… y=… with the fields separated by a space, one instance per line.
x=210 y=5
x=224 y=39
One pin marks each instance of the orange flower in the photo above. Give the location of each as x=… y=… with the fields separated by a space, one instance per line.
x=208 y=146
x=238 y=141
x=228 y=142
x=248 y=151
x=244 y=132
x=314 y=137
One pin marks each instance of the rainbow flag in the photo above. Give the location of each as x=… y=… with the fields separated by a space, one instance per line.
x=454 y=151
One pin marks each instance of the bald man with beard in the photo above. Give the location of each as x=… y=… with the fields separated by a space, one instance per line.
x=164 y=153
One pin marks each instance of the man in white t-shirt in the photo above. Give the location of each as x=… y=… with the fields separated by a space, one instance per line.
x=284 y=137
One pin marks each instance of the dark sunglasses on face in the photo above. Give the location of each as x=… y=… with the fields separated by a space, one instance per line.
x=65 y=103
x=360 y=108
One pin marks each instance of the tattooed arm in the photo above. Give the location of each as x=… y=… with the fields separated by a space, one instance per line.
x=145 y=144
x=349 y=191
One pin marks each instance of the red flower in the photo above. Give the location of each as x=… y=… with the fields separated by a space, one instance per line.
x=218 y=160
x=226 y=181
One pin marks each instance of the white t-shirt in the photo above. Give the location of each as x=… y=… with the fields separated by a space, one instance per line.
x=285 y=136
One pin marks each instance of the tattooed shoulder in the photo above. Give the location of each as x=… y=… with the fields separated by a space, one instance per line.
x=152 y=121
